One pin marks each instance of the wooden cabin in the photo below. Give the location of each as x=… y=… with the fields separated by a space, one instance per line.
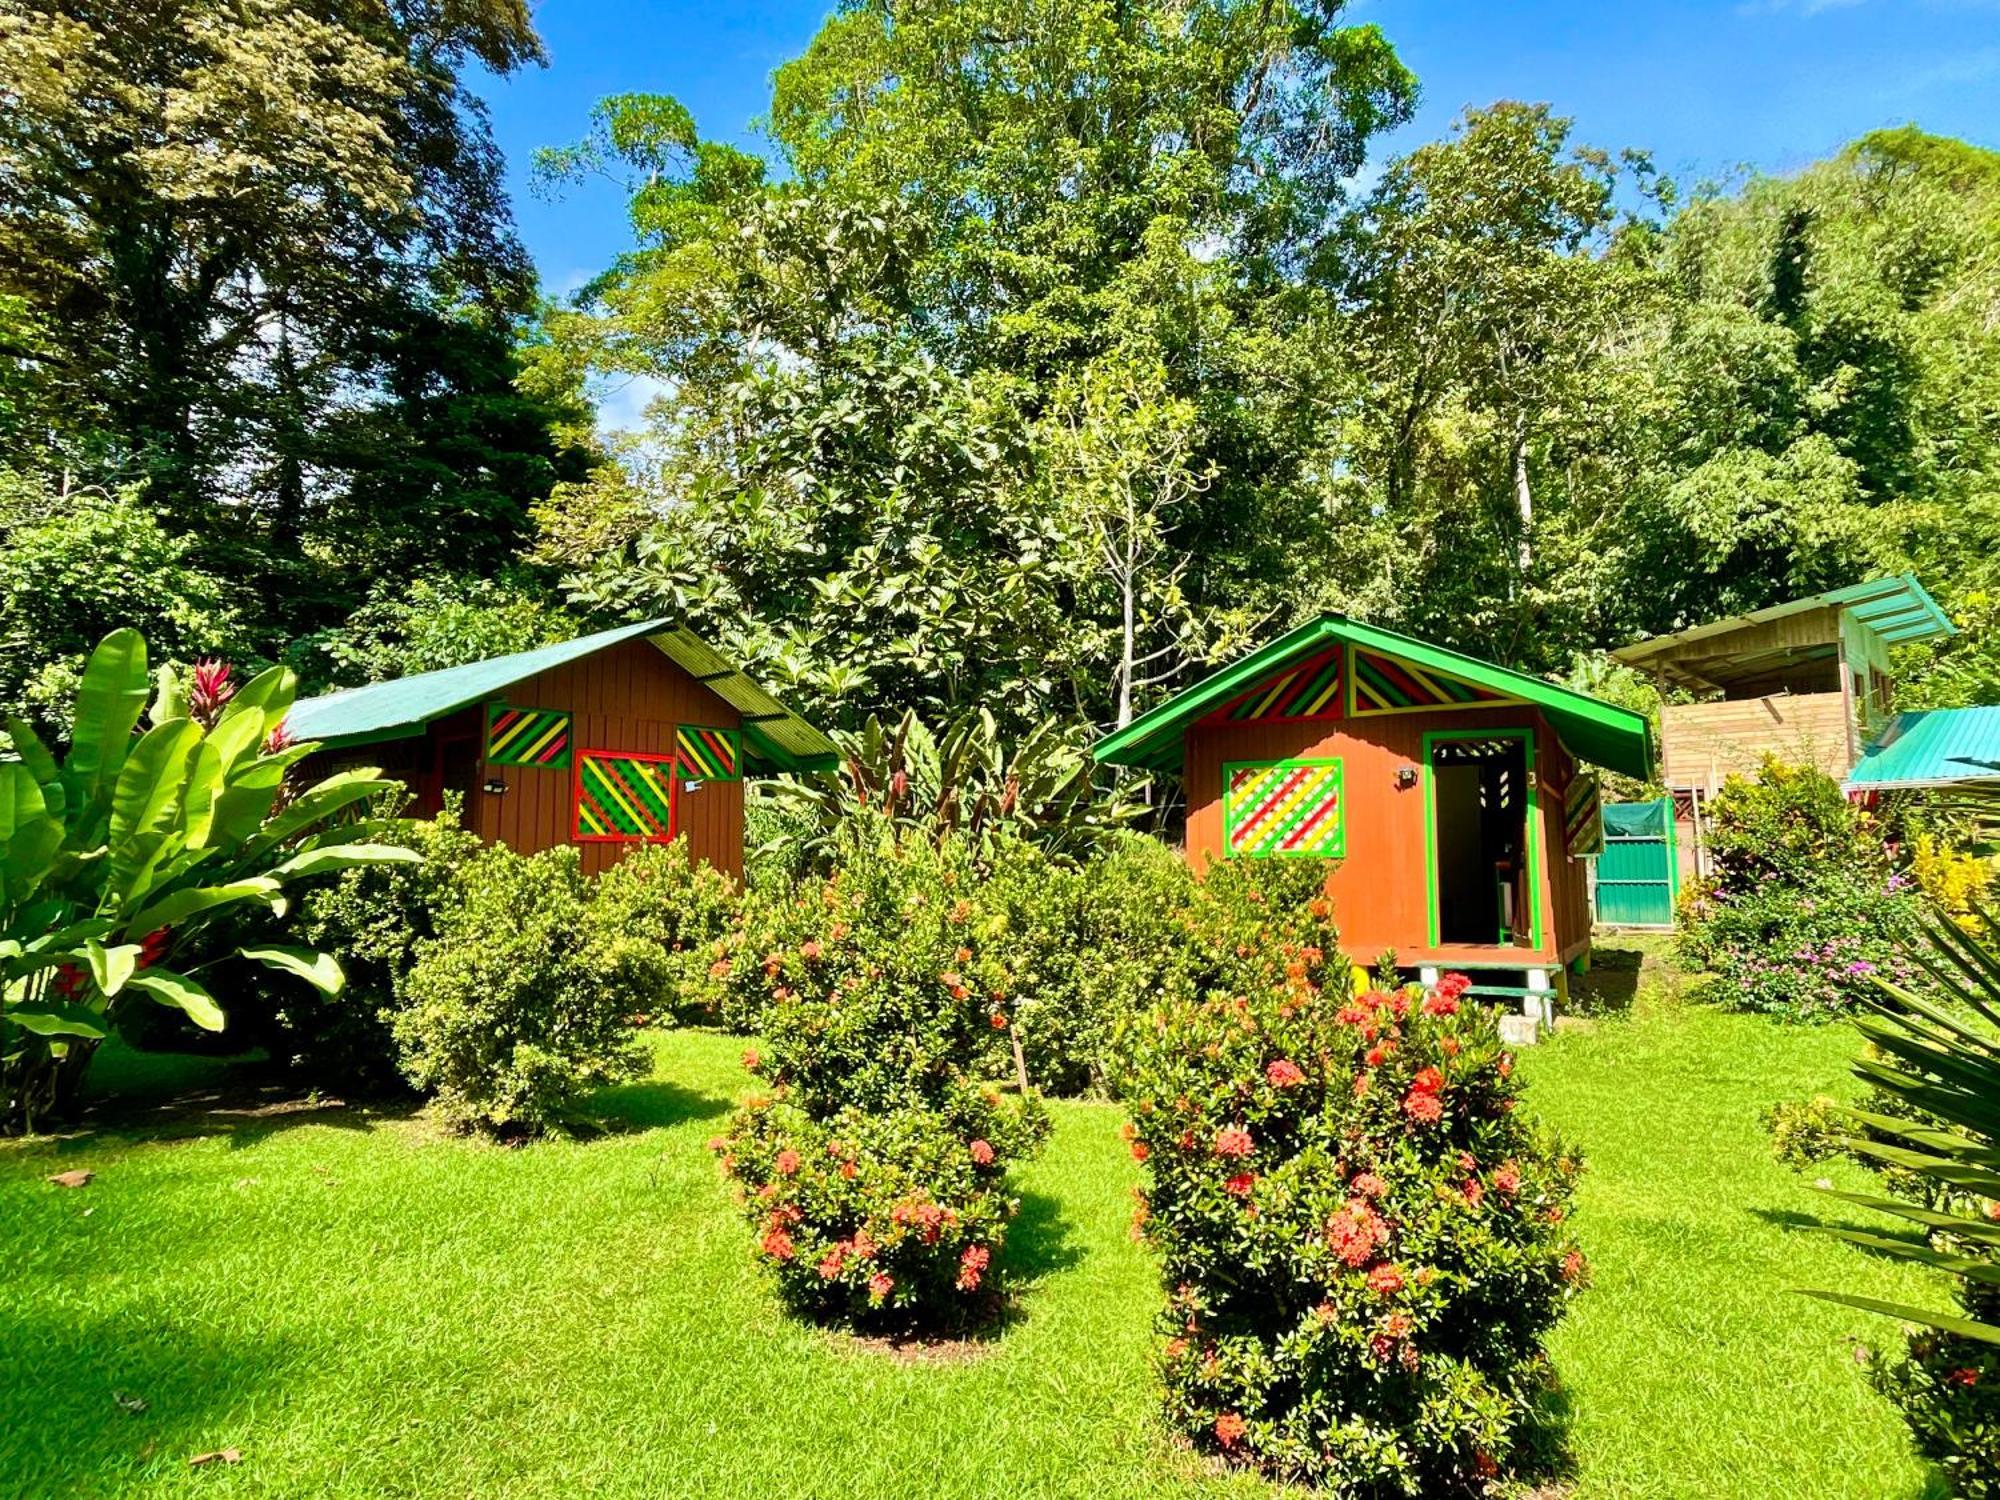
x=1809 y=682
x=635 y=735
x=1450 y=799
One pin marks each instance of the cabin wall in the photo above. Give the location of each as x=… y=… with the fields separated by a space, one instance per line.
x=633 y=698
x=1381 y=890
x=1702 y=744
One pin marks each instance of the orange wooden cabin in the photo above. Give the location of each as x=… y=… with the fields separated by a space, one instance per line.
x=634 y=735
x=1449 y=798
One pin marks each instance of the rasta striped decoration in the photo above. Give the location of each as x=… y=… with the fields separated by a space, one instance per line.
x=1583 y=815
x=527 y=736
x=1384 y=685
x=710 y=754
x=1309 y=690
x=1286 y=808
x=624 y=797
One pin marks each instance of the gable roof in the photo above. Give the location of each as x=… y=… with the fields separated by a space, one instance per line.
x=1931 y=747
x=775 y=738
x=1602 y=733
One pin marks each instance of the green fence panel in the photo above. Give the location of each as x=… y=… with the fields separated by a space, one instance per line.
x=1636 y=874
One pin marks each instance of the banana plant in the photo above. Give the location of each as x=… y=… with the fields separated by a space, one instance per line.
x=966 y=781
x=1942 y=1060
x=115 y=858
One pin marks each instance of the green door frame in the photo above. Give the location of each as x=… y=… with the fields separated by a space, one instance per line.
x=1533 y=815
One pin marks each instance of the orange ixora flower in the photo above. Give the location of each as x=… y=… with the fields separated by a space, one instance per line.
x=1233 y=1140
x=1230 y=1429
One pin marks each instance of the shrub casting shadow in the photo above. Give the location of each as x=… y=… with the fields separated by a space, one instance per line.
x=1792 y=1221
x=249 y=1104
x=1039 y=1241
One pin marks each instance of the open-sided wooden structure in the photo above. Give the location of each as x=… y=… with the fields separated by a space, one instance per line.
x=1809 y=682
x=1449 y=796
x=633 y=735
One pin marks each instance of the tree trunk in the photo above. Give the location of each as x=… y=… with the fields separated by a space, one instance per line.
x=1524 y=496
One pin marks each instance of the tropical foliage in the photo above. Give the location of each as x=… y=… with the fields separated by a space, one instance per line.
x=115 y=859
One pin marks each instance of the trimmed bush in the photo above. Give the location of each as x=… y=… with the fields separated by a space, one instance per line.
x=1364 y=1243
x=884 y=991
x=657 y=913
x=514 y=1010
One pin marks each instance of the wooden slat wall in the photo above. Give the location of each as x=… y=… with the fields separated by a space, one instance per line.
x=629 y=698
x=1381 y=890
x=1702 y=744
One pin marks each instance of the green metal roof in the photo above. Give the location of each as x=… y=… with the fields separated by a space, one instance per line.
x=775 y=738
x=1897 y=608
x=1934 y=747
x=1601 y=733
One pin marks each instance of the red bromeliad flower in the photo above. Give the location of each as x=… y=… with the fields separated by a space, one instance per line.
x=1284 y=1074
x=1966 y=1378
x=1230 y=1428
x=278 y=740
x=210 y=688
x=981 y=1153
x=1233 y=1140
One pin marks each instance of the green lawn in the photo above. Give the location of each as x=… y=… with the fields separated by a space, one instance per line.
x=365 y=1307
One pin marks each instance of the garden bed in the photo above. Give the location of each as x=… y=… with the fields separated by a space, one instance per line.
x=363 y=1306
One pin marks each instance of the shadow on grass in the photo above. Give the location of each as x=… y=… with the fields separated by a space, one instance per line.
x=99 y=1405
x=245 y=1102
x=1546 y=1461
x=1611 y=985
x=651 y=1104
x=1039 y=1242
x=1792 y=1221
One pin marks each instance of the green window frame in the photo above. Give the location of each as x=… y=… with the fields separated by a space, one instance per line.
x=1534 y=817
x=1284 y=809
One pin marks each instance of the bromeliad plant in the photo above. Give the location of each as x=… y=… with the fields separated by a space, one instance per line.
x=1935 y=1063
x=116 y=858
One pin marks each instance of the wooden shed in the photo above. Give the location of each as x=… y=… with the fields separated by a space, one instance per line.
x=1450 y=798
x=633 y=735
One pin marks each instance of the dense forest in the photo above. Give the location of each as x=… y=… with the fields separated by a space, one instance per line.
x=1047 y=355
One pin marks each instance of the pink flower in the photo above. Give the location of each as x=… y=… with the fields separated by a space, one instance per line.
x=971 y=1264
x=1284 y=1074
x=1233 y=1140
x=1385 y=1280
x=787 y=1162
x=830 y=1263
x=981 y=1153
x=880 y=1285
x=1423 y=1108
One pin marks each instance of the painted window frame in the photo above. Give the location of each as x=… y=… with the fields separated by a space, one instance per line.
x=1537 y=859
x=650 y=757
x=1339 y=764
x=684 y=772
x=493 y=710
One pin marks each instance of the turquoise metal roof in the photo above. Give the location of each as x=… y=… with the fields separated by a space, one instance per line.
x=775 y=738
x=1934 y=747
x=1595 y=731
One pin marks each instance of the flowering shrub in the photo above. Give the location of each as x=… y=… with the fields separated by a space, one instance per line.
x=873 y=1169
x=1948 y=1390
x=1364 y=1243
x=1803 y=912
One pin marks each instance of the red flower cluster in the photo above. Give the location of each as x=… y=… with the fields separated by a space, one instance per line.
x=880 y=1285
x=1241 y=1183
x=1368 y=1185
x=1445 y=995
x=982 y=1153
x=970 y=1265
x=1967 y=1378
x=1233 y=1140
x=787 y=1162
x=1284 y=1074
x=1356 y=1232
x=1508 y=1179
x=1230 y=1428
x=778 y=1243
x=1422 y=1103
x=929 y=1219
x=1385 y=1280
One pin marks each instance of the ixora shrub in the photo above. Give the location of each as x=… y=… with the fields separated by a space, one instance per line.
x=120 y=862
x=515 y=1009
x=658 y=914
x=1804 y=911
x=873 y=1167
x=1364 y=1242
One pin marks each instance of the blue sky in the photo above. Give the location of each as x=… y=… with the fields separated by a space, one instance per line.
x=1704 y=86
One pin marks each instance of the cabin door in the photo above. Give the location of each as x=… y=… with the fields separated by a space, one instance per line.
x=1481 y=866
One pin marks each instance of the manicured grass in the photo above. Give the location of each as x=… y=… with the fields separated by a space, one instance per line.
x=365 y=1307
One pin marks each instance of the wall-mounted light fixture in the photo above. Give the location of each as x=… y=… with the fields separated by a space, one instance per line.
x=1406 y=776
x=493 y=786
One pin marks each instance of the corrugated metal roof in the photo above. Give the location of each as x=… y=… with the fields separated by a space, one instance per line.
x=775 y=738
x=1897 y=608
x=1595 y=731
x=1934 y=747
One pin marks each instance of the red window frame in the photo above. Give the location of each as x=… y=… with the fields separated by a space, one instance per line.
x=670 y=760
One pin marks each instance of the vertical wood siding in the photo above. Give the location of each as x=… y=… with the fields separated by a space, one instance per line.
x=1381 y=890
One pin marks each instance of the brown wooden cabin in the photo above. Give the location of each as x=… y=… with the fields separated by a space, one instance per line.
x=1448 y=797
x=1809 y=682
x=634 y=735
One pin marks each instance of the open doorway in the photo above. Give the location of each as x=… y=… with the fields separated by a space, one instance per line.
x=1479 y=839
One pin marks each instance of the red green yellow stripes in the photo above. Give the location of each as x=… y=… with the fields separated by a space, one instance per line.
x=624 y=796
x=1284 y=808
x=710 y=754
x=1583 y=815
x=1382 y=684
x=527 y=736
x=1309 y=690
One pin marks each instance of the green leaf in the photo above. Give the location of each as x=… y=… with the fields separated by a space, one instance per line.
x=152 y=788
x=29 y=837
x=343 y=857
x=269 y=694
x=169 y=697
x=321 y=970
x=109 y=701
x=46 y=1019
x=181 y=992
x=177 y=906
x=1944 y=1322
x=34 y=754
x=111 y=967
